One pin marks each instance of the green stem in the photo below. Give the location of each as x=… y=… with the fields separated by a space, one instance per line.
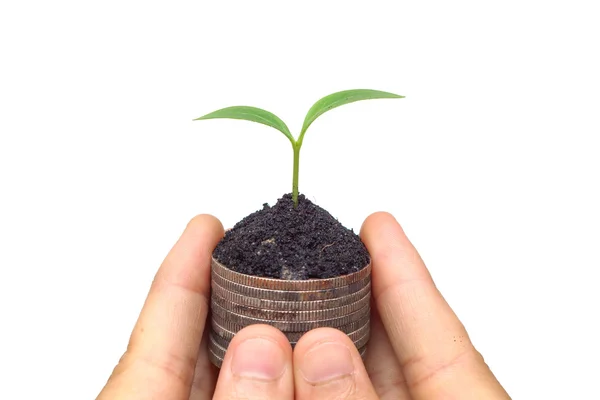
x=296 y=147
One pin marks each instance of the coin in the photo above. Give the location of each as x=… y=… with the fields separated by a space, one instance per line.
x=221 y=331
x=293 y=337
x=277 y=315
x=224 y=343
x=217 y=362
x=289 y=305
x=282 y=284
x=289 y=326
x=218 y=350
x=221 y=341
x=235 y=322
x=361 y=342
x=289 y=295
x=293 y=307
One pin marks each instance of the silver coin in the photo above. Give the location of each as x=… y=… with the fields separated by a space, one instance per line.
x=217 y=362
x=221 y=341
x=218 y=350
x=289 y=305
x=359 y=342
x=233 y=327
x=293 y=337
x=289 y=295
x=291 y=316
x=235 y=322
x=222 y=331
x=289 y=326
x=282 y=284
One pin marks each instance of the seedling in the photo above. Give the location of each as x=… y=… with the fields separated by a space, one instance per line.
x=325 y=104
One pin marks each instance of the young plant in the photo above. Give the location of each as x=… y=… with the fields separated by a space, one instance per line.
x=325 y=104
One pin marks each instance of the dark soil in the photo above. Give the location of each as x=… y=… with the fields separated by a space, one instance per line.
x=299 y=243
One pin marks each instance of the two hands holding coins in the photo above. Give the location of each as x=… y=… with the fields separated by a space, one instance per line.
x=418 y=349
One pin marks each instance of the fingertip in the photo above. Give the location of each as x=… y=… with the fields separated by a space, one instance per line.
x=380 y=215
x=380 y=232
x=320 y=335
x=206 y=223
x=258 y=363
x=262 y=331
x=374 y=221
x=258 y=351
x=188 y=263
x=325 y=354
x=328 y=365
x=393 y=256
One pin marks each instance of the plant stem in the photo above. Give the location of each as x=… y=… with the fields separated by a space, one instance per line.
x=296 y=147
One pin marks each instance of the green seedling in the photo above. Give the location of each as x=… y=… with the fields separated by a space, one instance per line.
x=325 y=104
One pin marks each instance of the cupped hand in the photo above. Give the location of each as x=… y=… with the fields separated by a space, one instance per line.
x=418 y=347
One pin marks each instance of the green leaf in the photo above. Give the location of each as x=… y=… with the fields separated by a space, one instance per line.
x=251 y=114
x=339 y=99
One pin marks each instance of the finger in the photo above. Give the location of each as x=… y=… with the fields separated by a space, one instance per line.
x=163 y=348
x=328 y=366
x=205 y=374
x=432 y=346
x=382 y=365
x=257 y=365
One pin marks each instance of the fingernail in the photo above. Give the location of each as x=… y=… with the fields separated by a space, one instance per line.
x=327 y=361
x=258 y=358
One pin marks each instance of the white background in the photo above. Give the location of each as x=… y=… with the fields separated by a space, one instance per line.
x=490 y=163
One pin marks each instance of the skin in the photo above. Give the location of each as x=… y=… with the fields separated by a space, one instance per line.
x=418 y=347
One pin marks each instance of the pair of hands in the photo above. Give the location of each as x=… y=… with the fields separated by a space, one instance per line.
x=418 y=347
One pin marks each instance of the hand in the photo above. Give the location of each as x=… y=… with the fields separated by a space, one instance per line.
x=418 y=347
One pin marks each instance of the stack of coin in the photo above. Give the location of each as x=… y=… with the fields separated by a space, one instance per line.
x=294 y=307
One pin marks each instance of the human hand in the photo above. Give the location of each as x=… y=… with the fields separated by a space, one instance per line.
x=418 y=347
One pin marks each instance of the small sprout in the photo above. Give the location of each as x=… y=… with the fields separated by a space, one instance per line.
x=320 y=107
